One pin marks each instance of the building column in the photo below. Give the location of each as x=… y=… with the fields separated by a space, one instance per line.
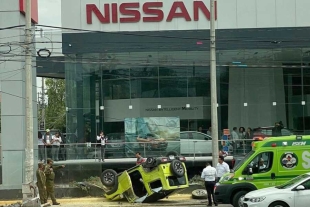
x=13 y=105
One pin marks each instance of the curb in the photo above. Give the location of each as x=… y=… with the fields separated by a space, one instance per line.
x=172 y=200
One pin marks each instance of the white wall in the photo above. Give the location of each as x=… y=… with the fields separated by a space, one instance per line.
x=232 y=14
x=12 y=76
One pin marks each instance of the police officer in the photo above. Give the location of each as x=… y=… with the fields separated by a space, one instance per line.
x=209 y=174
x=41 y=181
x=50 y=177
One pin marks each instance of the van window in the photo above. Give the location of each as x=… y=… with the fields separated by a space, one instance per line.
x=183 y=136
x=199 y=136
x=261 y=163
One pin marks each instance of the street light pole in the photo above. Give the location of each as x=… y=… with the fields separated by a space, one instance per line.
x=214 y=120
x=29 y=108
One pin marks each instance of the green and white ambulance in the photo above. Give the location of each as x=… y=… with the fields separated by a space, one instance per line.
x=271 y=162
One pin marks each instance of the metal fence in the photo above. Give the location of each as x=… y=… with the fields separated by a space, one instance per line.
x=188 y=148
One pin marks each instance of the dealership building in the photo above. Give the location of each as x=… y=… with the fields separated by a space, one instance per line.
x=151 y=59
x=143 y=58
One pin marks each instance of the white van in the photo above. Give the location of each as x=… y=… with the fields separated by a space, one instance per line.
x=195 y=143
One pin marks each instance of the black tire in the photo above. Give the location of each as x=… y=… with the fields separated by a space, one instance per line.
x=150 y=162
x=112 y=190
x=236 y=198
x=109 y=178
x=177 y=168
x=199 y=194
x=174 y=153
x=278 y=203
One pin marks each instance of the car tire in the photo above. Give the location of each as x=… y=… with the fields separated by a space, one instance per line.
x=150 y=162
x=174 y=153
x=177 y=168
x=109 y=178
x=278 y=203
x=112 y=190
x=237 y=197
x=199 y=194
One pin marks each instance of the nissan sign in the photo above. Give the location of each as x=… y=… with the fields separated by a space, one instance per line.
x=146 y=12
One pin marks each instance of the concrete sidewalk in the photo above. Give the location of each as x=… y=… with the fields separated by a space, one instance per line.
x=175 y=200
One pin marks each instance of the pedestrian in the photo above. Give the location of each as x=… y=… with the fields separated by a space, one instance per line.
x=139 y=158
x=41 y=147
x=221 y=168
x=235 y=138
x=47 y=140
x=56 y=140
x=209 y=175
x=50 y=177
x=41 y=183
x=103 y=140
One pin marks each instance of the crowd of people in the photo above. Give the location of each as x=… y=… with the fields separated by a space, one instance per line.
x=45 y=181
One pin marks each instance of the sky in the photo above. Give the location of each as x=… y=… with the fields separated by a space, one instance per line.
x=50 y=12
x=53 y=9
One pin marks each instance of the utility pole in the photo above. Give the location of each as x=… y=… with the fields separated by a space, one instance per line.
x=214 y=120
x=43 y=104
x=29 y=108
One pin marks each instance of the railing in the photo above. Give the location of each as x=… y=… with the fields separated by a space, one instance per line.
x=117 y=150
x=87 y=154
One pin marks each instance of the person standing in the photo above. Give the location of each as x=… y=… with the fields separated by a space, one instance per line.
x=235 y=138
x=47 y=140
x=103 y=139
x=139 y=158
x=209 y=175
x=221 y=168
x=41 y=181
x=41 y=147
x=50 y=177
x=56 y=140
x=209 y=132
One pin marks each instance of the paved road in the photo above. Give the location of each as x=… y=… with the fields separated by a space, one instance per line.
x=178 y=200
x=181 y=201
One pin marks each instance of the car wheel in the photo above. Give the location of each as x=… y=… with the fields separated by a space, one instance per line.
x=199 y=194
x=177 y=168
x=237 y=199
x=278 y=204
x=172 y=153
x=112 y=190
x=108 y=178
x=150 y=162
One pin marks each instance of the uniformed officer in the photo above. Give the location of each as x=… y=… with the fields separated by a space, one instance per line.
x=50 y=177
x=41 y=181
x=209 y=174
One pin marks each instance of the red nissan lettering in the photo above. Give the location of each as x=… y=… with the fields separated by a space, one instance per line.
x=173 y=12
x=92 y=8
x=150 y=8
x=130 y=9
x=200 y=5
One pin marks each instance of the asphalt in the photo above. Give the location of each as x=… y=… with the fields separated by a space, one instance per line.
x=176 y=200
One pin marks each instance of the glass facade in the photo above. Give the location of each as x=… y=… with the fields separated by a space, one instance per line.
x=256 y=88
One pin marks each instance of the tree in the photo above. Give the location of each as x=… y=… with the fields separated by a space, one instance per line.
x=55 y=113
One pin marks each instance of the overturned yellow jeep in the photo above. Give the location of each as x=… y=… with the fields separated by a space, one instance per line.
x=152 y=180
